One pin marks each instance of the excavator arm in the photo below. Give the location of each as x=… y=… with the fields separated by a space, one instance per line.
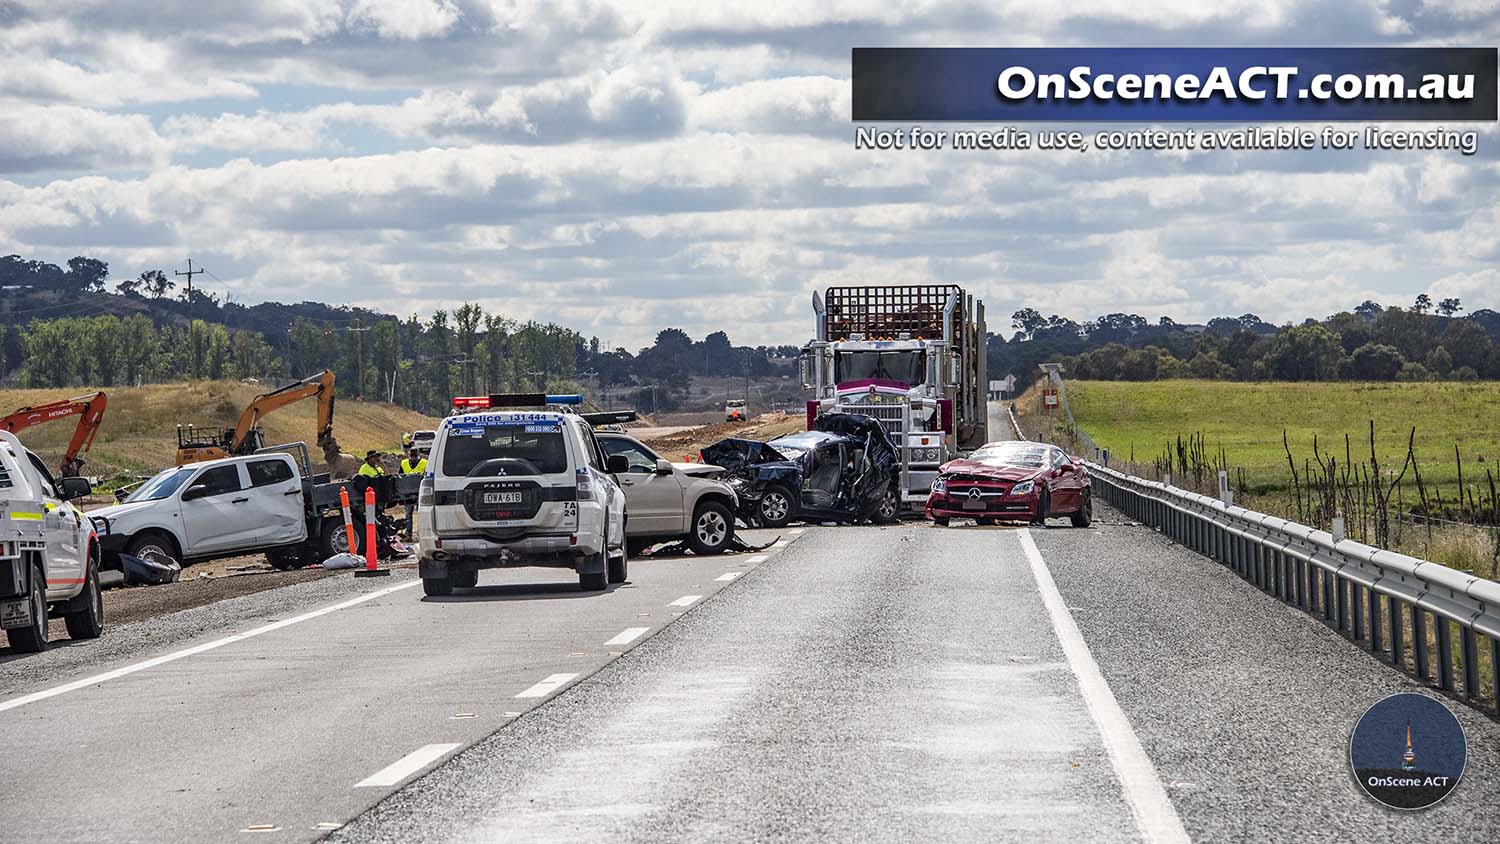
x=90 y=412
x=320 y=385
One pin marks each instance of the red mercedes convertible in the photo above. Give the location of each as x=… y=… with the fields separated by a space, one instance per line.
x=1012 y=481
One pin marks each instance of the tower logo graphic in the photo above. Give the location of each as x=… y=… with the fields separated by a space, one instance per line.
x=1408 y=751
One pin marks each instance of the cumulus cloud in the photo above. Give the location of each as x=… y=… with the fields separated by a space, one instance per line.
x=593 y=162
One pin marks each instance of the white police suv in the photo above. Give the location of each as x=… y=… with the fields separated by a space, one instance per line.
x=519 y=480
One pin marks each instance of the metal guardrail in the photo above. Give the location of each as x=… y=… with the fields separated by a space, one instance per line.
x=1406 y=611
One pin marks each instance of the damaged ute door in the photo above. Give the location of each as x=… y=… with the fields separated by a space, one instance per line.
x=275 y=501
x=211 y=518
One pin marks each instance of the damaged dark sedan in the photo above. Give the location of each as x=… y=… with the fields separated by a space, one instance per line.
x=843 y=470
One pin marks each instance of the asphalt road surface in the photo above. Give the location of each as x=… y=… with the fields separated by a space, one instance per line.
x=856 y=684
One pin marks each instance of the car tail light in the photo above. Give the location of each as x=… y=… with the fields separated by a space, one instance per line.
x=425 y=493
x=585 y=487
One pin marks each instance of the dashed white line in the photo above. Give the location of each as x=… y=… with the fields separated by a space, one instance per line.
x=1154 y=815
x=684 y=601
x=547 y=686
x=628 y=635
x=198 y=649
x=796 y=531
x=729 y=575
x=758 y=559
x=406 y=766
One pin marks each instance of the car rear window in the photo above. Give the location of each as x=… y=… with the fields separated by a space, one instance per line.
x=539 y=443
x=268 y=472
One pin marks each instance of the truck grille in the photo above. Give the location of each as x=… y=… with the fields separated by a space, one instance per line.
x=890 y=415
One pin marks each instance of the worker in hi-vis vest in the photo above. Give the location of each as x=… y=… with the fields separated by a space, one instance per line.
x=412 y=464
x=371 y=467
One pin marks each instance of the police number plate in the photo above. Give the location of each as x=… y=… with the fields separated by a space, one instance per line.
x=502 y=498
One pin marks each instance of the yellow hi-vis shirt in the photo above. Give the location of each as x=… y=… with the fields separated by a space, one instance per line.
x=369 y=471
x=418 y=468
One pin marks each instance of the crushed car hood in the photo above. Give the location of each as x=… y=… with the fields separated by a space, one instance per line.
x=735 y=453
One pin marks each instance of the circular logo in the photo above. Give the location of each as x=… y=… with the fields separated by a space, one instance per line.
x=1408 y=751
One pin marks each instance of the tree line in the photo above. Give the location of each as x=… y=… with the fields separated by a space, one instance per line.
x=1422 y=342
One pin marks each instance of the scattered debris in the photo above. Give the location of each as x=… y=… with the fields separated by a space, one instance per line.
x=139 y=571
x=344 y=561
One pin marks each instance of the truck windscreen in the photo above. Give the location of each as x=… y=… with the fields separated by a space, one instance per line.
x=540 y=444
x=909 y=367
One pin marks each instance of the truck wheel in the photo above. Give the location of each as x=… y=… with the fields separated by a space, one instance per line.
x=618 y=568
x=712 y=529
x=333 y=539
x=33 y=637
x=776 y=506
x=85 y=614
x=466 y=579
x=154 y=547
x=1085 y=515
x=435 y=587
x=594 y=582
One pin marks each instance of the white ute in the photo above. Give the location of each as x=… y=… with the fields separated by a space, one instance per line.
x=49 y=553
x=508 y=488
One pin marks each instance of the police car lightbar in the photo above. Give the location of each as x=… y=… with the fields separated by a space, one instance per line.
x=610 y=417
x=513 y=400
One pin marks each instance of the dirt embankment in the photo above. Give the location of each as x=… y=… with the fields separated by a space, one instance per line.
x=767 y=426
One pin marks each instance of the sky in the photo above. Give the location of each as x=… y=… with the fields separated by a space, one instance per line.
x=623 y=167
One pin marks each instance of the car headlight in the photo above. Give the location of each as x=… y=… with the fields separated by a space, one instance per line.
x=1023 y=487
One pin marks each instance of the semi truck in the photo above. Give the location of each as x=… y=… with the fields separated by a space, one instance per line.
x=911 y=356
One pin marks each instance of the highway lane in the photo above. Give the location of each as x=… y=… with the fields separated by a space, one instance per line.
x=910 y=683
x=871 y=684
x=294 y=710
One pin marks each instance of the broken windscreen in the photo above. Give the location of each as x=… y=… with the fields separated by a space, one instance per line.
x=537 y=443
x=908 y=367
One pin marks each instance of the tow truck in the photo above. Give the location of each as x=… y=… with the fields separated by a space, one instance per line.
x=90 y=412
x=911 y=356
x=49 y=552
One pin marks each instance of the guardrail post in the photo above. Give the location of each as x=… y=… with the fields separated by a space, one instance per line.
x=1419 y=642
x=1328 y=595
x=1300 y=573
x=1374 y=620
x=1445 y=654
x=1495 y=672
x=1341 y=599
x=1470 y=651
x=1393 y=619
x=1357 y=600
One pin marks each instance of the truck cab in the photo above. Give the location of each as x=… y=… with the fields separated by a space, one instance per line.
x=910 y=356
x=49 y=552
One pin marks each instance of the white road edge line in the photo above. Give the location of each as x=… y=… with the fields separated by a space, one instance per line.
x=729 y=575
x=401 y=769
x=117 y=673
x=1154 y=815
x=628 y=635
x=684 y=601
x=547 y=686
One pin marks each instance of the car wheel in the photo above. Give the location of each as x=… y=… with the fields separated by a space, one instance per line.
x=154 y=547
x=334 y=539
x=776 y=506
x=33 y=637
x=1043 y=507
x=618 y=568
x=437 y=587
x=940 y=521
x=712 y=529
x=984 y=520
x=1085 y=515
x=464 y=579
x=85 y=615
x=594 y=582
x=889 y=507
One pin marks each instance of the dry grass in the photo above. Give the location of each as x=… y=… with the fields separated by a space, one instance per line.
x=139 y=431
x=767 y=426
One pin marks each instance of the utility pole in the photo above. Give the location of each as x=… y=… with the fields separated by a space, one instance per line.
x=197 y=356
x=359 y=356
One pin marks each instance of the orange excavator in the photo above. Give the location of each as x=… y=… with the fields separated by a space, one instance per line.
x=197 y=444
x=90 y=411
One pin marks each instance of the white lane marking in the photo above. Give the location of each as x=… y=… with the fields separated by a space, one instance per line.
x=729 y=575
x=197 y=649
x=780 y=543
x=547 y=686
x=685 y=600
x=796 y=531
x=1154 y=815
x=628 y=635
x=407 y=765
x=758 y=559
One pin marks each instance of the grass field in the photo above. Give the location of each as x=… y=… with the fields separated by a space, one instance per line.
x=1247 y=420
x=138 y=434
